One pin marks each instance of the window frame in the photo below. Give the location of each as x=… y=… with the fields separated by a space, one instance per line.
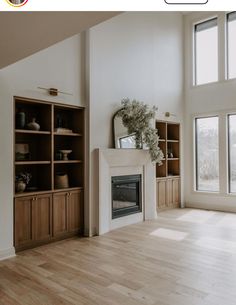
x=227 y=45
x=229 y=154
x=201 y=22
x=196 y=189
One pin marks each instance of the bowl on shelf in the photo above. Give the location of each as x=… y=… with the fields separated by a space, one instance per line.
x=65 y=153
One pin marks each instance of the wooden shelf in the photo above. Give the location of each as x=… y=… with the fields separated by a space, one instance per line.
x=68 y=161
x=168 y=174
x=40 y=192
x=25 y=131
x=44 y=213
x=68 y=134
x=68 y=189
x=32 y=162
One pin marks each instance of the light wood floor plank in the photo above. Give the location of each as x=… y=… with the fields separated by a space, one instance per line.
x=185 y=257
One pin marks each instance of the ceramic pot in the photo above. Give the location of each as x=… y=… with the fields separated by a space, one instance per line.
x=33 y=125
x=20 y=186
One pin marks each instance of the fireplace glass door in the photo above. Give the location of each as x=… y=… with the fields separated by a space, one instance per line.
x=126 y=195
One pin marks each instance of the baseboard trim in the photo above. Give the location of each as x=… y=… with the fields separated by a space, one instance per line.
x=7 y=253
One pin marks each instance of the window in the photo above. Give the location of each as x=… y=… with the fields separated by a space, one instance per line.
x=207 y=154
x=206 y=52
x=231 y=22
x=232 y=152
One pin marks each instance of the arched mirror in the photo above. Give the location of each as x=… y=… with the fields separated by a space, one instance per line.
x=122 y=139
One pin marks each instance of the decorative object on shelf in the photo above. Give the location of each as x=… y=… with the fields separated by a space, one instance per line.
x=63 y=130
x=61 y=181
x=168 y=114
x=33 y=125
x=20 y=119
x=170 y=153
x=136 y=117
x=58 y=155
x=59 y=121
x=54 y=91
x=22 y=152
x=20 y=186
x=65 y=153
x=22 y=180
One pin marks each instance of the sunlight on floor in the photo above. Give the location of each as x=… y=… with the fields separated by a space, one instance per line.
x=197 y=216
x=217 y=244
x=228 y=221
x=169 y=234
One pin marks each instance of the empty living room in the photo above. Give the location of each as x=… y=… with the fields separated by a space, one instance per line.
x=117 y=155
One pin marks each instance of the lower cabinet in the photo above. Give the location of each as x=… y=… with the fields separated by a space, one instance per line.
x=168 y=193
x=33 y=216
x=67 y=213
x=44 y=218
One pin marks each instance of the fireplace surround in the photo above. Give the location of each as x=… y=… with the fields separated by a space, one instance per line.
x=124 y=162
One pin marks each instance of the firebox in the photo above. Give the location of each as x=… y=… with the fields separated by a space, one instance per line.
x=126 y=195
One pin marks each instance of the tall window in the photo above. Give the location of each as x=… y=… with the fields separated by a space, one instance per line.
x=207 y=154
x=231 y=22
x=232 y=152
x=206 y=52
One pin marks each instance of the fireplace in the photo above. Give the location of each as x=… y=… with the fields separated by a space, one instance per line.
x=126 y=195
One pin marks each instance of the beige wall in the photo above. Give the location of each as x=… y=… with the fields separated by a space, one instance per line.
x=135 y=55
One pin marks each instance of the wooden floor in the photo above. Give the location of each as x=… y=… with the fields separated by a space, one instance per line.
x=185 y=257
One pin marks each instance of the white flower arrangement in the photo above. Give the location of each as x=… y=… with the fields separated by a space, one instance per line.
x=136 y=117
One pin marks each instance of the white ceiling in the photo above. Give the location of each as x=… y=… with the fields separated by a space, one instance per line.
x=25 y=33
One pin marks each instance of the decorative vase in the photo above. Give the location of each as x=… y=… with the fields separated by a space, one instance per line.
x=33 y=125
x=20 y=120
x=20 y=186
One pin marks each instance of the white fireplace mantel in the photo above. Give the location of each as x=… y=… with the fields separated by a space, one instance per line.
x=115 y=162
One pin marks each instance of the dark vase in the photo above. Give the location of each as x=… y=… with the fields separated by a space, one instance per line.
x=20 y=119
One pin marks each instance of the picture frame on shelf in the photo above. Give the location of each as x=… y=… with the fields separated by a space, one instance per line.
x=22 y=152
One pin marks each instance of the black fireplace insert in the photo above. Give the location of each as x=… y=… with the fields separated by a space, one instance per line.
x=126 y=195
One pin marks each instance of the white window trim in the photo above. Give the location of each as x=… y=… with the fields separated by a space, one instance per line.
x=222 y=48
x=223 y=154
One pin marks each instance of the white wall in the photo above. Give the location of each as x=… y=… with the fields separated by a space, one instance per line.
x=215 y=98
x=135 y=55
x=59 y=66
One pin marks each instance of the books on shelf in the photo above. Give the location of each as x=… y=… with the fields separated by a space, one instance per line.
x=63 y=130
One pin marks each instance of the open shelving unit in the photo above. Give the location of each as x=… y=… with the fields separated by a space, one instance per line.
x=45 y=211
x=168 y=174
x=45 y=144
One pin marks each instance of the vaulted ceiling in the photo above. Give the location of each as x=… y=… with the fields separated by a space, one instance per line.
x=25 y=33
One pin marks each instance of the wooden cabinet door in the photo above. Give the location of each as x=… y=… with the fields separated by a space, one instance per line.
x=75 y=211
x=169 y=193
x=176 y=192
x=42 y=217
x=60 y=224
x=161 y=194
x=23 y=221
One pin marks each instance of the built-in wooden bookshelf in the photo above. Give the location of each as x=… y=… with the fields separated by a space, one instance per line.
x=168 y=174
x=37 y=152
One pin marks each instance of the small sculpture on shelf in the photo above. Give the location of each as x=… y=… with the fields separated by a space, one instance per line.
x=22 y=180
x=65 y=153
x=33 y=125
x=170 y=153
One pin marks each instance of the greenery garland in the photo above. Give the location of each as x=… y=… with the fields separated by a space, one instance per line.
x=136 y=117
